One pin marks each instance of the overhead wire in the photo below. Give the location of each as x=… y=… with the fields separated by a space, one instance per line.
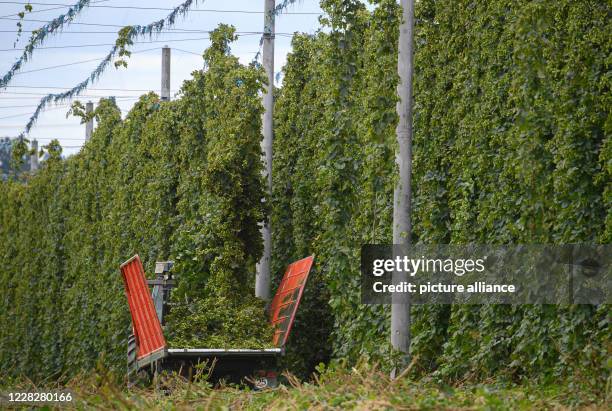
x=36 y=98
x=187 y=51
x=57 y=138
x=43 y=10
x=303 y=13
x=42 y=125
x=76 y=63
x=34 y=11
x=72 y=23
x=165 y=31
x=93 y=88
x=133 y=32
x=121 y=26
x=41 y=93
x=22 y=106
x=30 y=113
x=136 y=42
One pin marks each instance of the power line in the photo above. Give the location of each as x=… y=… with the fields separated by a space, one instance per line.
x=29 y=113
x=37 y=97
x=136 y=42
x=43 y=10
x=35 y=11
x=58 y=66
x=74 y=23
x=200 y=54
x=187 y=51
x=77 y=62
x=45 y=93
x=71 y=23
x=106 y=44
x=18 y=98
x=41 y=125
x=100 y=25
x=58 y=138
x=107 y=32
x=93 y=88
x=166 y=9
x=164 y=31
x=23 y=106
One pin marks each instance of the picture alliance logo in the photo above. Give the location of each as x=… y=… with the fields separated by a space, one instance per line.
x=412 y=266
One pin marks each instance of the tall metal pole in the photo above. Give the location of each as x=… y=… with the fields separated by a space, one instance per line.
x=165 y=75
x=89 y=125
x=262 y=280
x=402 y=225
x=34 y=156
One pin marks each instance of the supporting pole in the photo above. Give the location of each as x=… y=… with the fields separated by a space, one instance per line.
x=34 y=156
x=89 y=125
x=262 y=280
x=402 y=225
x=165 y=75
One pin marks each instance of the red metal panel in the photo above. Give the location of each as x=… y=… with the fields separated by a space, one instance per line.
x=287 y=298
x=147 y=329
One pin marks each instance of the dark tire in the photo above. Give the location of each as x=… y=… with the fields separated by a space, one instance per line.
x=264 y=380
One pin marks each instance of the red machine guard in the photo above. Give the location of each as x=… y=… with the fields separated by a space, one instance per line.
x=287 y=299
x=147 y=329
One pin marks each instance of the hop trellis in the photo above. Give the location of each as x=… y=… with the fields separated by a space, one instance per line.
x=38 y=37
x=133 y=32
x=58 y=97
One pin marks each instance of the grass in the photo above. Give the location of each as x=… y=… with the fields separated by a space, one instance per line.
x=361 y=388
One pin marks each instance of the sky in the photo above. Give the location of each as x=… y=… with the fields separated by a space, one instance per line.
x=19 y=100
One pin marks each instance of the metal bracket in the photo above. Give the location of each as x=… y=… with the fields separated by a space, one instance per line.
x=162 y=285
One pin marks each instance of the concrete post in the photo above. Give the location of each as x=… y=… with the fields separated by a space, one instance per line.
x=89 y=125
x=402 y=225
x=262 y=280
x=34 y=156
x=165 y=76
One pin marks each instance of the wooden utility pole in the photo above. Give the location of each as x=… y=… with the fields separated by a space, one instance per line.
x=89 y=125
x=262 y=280
x=34 y=156
x=402 y=225
x=165 y=75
